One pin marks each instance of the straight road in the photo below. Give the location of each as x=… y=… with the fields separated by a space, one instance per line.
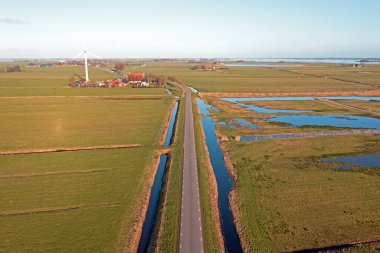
x=191 y=237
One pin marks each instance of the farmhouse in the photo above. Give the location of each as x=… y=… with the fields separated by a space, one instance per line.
x=136 y=77
x=208 y=67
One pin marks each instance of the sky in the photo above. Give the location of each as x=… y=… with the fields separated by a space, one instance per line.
x=190 y=28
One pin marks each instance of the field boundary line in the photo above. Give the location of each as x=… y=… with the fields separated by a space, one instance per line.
x=57 y=209
x=52 y=173
x=56 y=150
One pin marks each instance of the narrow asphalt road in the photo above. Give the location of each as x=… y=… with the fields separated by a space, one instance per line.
x=191 y=238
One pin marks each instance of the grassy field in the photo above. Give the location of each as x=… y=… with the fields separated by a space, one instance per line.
x=373 y=106
x=230 y=111
x=73 y=201
x=87 y=201
x=53 y=81
x=288 y=200
x=368 y=74
x=76 y=122
x=82 y=201
x=253 y=79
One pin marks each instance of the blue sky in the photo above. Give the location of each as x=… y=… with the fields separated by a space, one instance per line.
x=191 y=28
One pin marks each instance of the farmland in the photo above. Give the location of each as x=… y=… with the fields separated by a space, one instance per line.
x=85 y=200
x=285 y=198
x=53 y=82
x=283 y=79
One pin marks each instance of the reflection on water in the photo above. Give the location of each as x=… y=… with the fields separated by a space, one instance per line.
x=236 y=100
x=224 y=181
x=205 y=108
x=354 y=98
x=261 y=65
x=303 y=135
x=170 y=133
x=237 y=122
x=146 y=233
x=366 y=161
x=246 y=123
x=349 y=121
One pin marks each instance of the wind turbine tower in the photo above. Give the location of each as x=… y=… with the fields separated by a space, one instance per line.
x=84 y=53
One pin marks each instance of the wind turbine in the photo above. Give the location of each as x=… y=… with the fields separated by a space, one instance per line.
x=84 y=53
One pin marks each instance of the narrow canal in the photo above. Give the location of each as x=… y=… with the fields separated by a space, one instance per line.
x=173 y=119
x=152 y=208
x=224 y=181
x=150 y=218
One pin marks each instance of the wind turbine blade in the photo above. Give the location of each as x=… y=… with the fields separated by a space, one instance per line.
x=84 y=43
x=76 y=56
x=93 y=55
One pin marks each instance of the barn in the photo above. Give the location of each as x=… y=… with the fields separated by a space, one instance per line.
x=136 y=76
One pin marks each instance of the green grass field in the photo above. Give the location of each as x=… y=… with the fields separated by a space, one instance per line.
x=253 y=79
x=74 y=201
x=289 y=200
x=29 y=123
x=230 y=111
x=77 y=201
x=87 y=201
x=53 y=82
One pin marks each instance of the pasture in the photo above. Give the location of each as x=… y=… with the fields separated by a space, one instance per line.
x=283 y=79
x=288 y=200
x=82 y=201
x=36 y=81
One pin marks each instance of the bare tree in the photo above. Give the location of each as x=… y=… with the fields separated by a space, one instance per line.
x=120 y=67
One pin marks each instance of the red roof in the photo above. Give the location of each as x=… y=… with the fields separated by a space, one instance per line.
x=115 y=82
x=208 y=66
x=137 y=76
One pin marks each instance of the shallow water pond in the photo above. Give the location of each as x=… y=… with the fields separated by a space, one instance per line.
x=365 y=161
x=336 y=120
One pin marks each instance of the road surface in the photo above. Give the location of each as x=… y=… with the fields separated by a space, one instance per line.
x=191 y=238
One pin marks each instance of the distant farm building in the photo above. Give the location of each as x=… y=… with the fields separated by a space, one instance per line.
x=47 y=65
x=208 y=67
x=136 y=77
x=117 y=83
x=143 y=84
x=204 y=67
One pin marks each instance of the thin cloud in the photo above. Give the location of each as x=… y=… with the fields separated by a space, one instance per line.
x=12 y=21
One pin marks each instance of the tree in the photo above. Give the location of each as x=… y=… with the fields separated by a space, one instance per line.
x=174 y=79
x=161 y=80
x=120 y=67
x=15 y=68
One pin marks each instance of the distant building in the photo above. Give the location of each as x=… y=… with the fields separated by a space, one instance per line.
x=117 y=83
x=144 y=83
x=136 y=76
x=46 y=65
x=208 y=67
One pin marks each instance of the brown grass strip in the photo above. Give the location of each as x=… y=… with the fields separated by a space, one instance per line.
x=365 y=93
x=40 y=210
x=51 y=173
x=59 y=209
x=52 y=150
